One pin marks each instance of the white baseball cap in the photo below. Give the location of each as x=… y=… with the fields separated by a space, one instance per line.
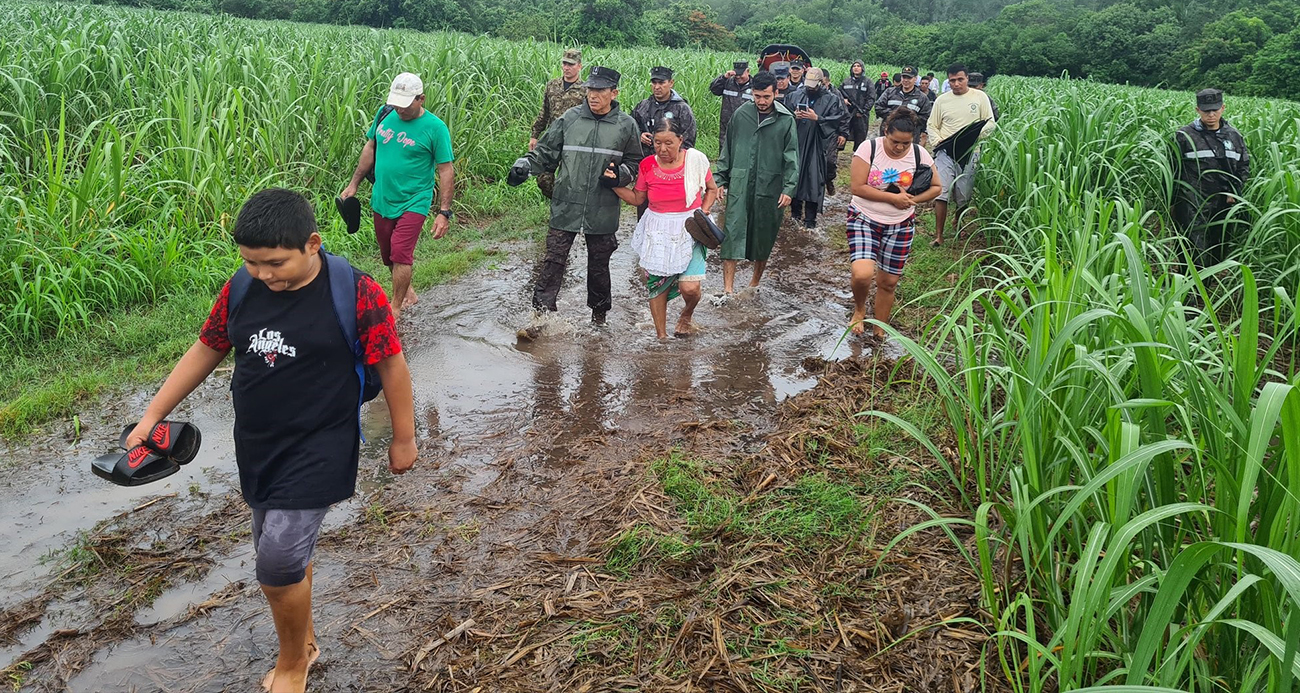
x=405 y=88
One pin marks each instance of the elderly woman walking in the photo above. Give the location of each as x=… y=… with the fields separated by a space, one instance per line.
x=676 y=181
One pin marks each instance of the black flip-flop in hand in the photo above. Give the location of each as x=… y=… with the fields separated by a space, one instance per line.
x=350 y=209
x=169 y=445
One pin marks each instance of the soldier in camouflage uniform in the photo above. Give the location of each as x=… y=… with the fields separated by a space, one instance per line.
x=561 y=94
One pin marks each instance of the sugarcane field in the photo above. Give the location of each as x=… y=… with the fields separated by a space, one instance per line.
x=884 y=362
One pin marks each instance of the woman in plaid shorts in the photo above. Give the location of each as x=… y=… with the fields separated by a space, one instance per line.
x=882 y=216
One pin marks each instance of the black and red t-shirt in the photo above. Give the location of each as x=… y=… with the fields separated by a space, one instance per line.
x=295 y=388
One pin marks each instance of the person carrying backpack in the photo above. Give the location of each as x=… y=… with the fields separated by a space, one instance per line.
x=890 y=175
x=312 y=338
x=409 y=151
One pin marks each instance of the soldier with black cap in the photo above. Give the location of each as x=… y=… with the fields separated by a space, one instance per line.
x=908 y=96
x=797 y=69
x=733 y=87
x=781 y=71
x=562 y=93
x=585 y=142
x=664 y=104
x=1211 y=166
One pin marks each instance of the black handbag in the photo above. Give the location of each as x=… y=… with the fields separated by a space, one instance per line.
x=922 y=176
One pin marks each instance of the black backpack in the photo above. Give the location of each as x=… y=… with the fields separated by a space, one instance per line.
x=383 y=113
x=922 y=176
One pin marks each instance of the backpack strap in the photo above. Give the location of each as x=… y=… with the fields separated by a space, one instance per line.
x=916 y=158
x=871 y=162
x=239 y=284
x=383 y=113
x=343 y=294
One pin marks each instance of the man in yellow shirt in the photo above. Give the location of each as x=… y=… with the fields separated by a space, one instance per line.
x=955 y=110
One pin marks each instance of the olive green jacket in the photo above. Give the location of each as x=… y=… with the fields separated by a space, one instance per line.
x=577 y=148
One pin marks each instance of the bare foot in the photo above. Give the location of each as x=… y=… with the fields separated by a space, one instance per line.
x=858 y=322
x=878 y=333
x=411 y=299
x=281 y=681
x=684 y=329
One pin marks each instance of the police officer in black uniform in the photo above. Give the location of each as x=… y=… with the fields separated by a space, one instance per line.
x=1211 y=167
x=733 y=87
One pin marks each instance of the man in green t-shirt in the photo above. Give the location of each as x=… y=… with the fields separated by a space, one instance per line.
x=406 y=146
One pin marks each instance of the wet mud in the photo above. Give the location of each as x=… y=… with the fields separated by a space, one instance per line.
x=533 y=455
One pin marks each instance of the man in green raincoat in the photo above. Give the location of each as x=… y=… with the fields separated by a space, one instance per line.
x=759 y=167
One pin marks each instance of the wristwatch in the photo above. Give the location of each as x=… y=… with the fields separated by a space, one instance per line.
x=445 y=213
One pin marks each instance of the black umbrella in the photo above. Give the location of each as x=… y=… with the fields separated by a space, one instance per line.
x=778 y=52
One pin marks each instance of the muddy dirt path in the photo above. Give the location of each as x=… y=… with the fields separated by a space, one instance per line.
x=526 y=450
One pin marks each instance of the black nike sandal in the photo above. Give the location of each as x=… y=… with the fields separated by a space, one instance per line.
x=177 y=440
x=139 y=465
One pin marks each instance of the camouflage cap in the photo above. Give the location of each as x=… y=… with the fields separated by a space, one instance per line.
x=572 y=56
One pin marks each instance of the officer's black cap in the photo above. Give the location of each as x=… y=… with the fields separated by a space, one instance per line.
x=740 y=66
x=1209 y=99
x=781 y=70
x=797 y=64
x=909 y=71
x=661 y=72
x=603 y=78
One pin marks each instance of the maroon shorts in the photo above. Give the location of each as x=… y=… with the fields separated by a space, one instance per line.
x=397 y=237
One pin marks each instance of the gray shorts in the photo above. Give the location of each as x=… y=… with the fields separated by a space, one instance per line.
x=284 y=541
x=958 y=182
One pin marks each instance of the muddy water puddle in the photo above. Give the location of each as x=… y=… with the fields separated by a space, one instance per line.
x=481 y=396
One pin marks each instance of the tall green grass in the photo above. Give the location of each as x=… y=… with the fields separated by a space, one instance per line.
x=129 y=139
x=1127 y=433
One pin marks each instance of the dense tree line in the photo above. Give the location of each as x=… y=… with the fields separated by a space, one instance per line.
x=1243 y=47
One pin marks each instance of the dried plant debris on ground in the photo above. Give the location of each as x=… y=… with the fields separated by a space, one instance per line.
x=745 y=572
x=117 y=569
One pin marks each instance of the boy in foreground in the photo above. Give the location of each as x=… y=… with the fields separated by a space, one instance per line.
x=296 y=393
